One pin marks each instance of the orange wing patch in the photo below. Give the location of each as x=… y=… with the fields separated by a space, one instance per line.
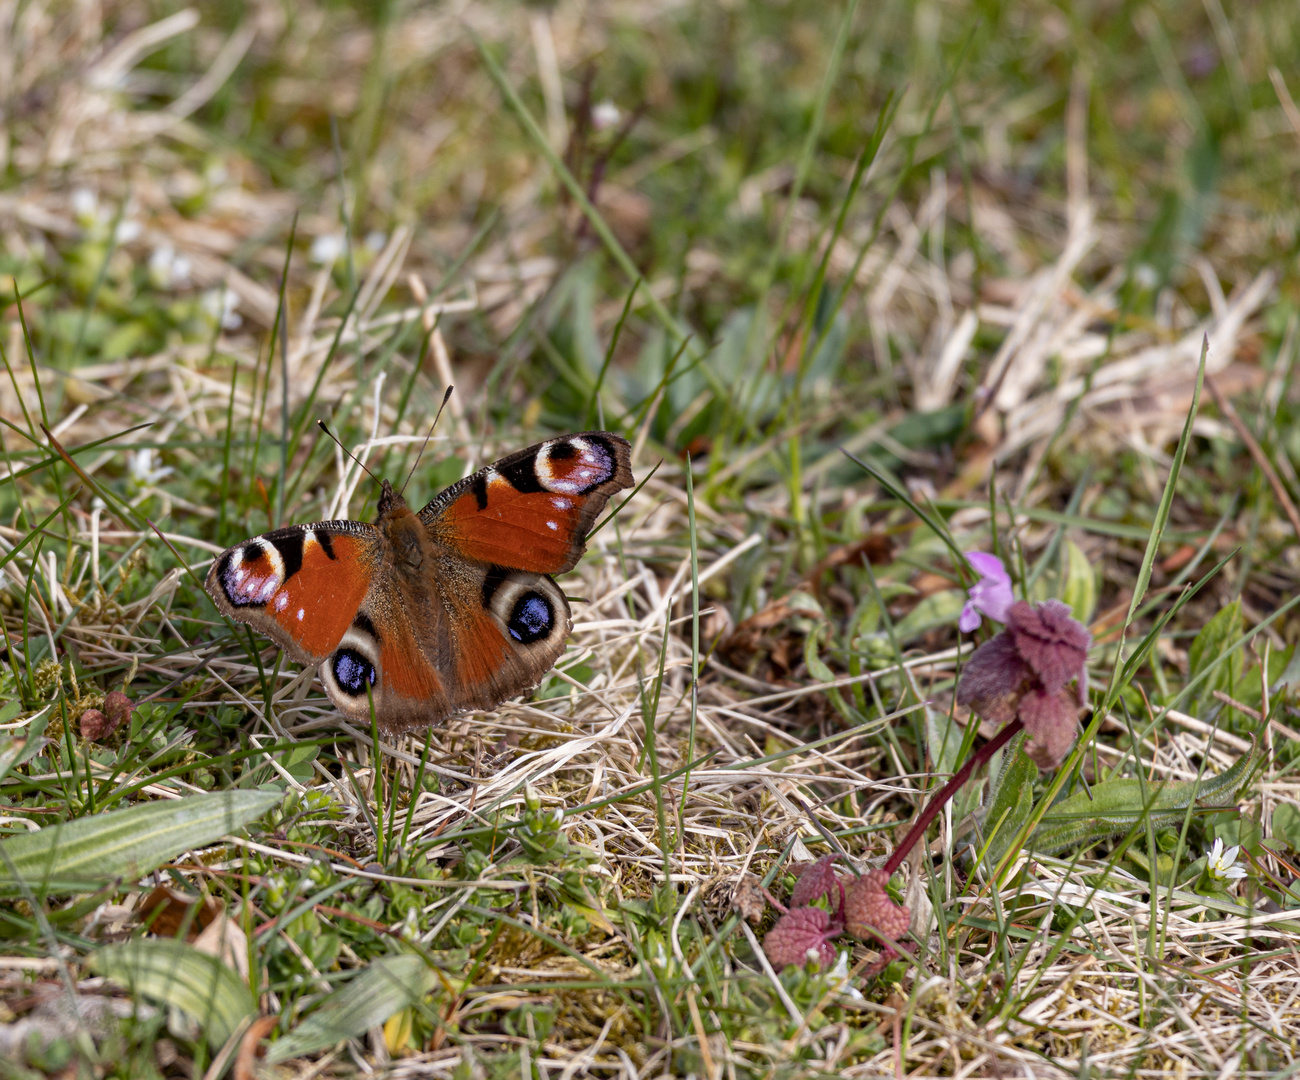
x=481 y=652
x=316 y=605
x=301 y=586
x=408 y=673
x=539 y=531
x=532 y=510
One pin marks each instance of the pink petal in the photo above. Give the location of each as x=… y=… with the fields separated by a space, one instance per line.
x=988 y=566
x=992 y=593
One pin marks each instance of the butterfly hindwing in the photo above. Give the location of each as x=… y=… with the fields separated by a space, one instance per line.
x=467 y=649
x=300 y=586
x=532 y=510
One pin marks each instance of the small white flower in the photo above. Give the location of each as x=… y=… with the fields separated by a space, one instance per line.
x=604 y=115
x=838 y=978
x=375 y=240
x=1145 y=275
x=221 y=304
x=85 y=206
x=1222 y=864
x=166 y=268
x=326 y=249
x=127 y=230
x=141 y=470
x=658 y=954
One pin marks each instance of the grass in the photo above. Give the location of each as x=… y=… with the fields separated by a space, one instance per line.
x=866 y=288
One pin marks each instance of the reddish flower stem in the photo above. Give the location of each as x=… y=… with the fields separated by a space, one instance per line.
x=932 y=808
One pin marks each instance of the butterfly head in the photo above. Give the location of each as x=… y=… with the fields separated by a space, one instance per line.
x=390 y=501
x=401 y=527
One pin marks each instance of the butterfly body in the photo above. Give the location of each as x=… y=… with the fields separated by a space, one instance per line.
x=432 y=613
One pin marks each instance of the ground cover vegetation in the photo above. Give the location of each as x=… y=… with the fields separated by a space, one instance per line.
x=956 y=342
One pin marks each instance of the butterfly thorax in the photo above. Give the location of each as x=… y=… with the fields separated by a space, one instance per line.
x=406 y=535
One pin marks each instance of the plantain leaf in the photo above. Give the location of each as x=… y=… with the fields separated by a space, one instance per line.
x=177 y=974
x=387 y=986
x=1116 y=806
x=124 y=844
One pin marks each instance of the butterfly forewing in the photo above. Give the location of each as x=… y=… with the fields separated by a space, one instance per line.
x=300 y=586
x=532 y=510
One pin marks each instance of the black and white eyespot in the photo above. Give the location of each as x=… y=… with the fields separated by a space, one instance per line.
x=251 y=573
x=531 y=609
x=354 y=665
x=574 y=466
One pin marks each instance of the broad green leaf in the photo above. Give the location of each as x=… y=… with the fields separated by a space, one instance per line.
x=1209 y=645
x=1286 y=824
x=1011 y=798
x=296 y=761
x=178 y=974
x=125 y=844
x=1116 y=806
x=1235 y=828
x=387 y=986
x=936 y=610
x=1079 y=582
x=1249 y=688
x=943 y=741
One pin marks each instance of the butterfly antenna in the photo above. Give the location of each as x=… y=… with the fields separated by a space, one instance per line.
x=445 y=398
x=321 y=425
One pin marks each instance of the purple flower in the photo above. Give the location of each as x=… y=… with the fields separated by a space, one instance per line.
x=991 y=595
x=1025 y=672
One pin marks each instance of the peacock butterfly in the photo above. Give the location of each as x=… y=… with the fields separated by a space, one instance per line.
x=435 y=613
